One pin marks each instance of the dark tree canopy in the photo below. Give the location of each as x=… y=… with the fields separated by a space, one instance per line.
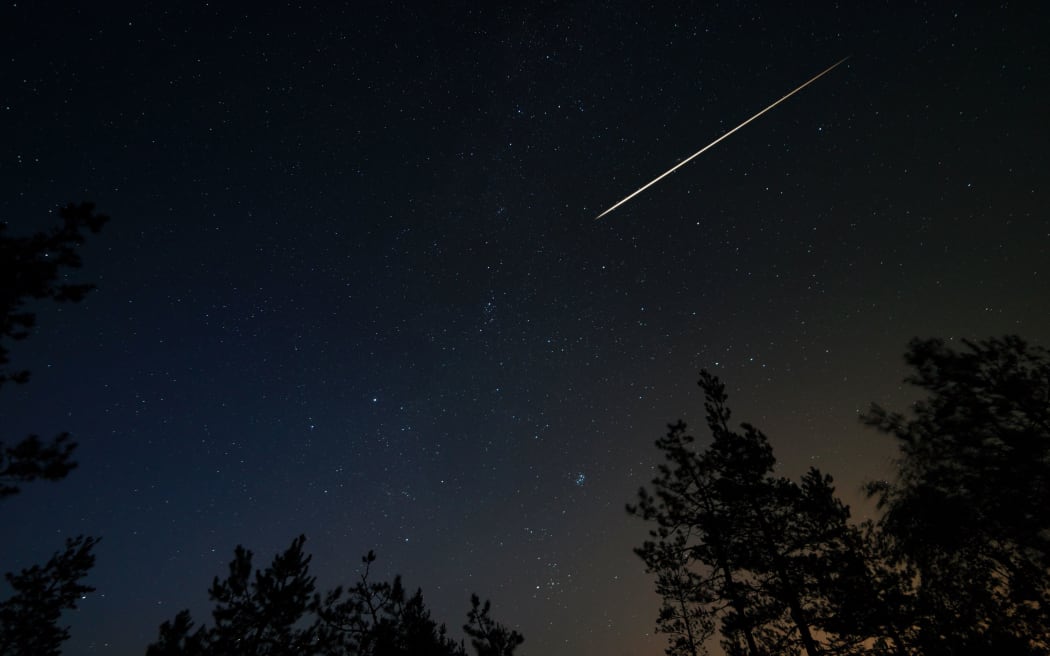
x=29 y=619
x=34 y=268
x=487 y=636
x=278 y=611
x=31 y=459
x=958 y=563
x=767 y=561
x=968 y=511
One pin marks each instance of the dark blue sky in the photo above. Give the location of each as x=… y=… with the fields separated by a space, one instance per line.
x=353 y=286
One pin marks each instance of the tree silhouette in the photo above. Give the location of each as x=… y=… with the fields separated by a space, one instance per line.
x=770 y=562
x=376 y=618
x=488 y=637
x=958 y=563
x=968 y=511
x=30 y=459
x=278 y=611
x=29 y=618
x=33 y=268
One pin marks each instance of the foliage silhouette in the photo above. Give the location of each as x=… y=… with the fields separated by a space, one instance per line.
x=767 y=561
x=29 y=618
x=278 y=611
x=377 y=618
x=957 y=564
x=32 y=268
x=30 y=459
x=967 y=515
x=488 y=637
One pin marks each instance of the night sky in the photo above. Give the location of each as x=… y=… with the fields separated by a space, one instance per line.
x=354 y=287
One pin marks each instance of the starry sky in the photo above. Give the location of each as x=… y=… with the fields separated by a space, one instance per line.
x=354 y=287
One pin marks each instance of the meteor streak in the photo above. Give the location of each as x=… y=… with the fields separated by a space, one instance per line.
x=710 y=145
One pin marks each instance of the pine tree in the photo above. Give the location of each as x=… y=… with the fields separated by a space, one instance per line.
x=278 y=612
x=968 y=511
x=29 y=619
x=33 y=268
x=770 y=562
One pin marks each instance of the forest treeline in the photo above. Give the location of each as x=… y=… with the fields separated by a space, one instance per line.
x=279 y=612
x=274 y=611
x=35 y=268
x=955 y=564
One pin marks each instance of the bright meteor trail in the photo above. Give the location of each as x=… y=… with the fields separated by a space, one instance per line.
x=708 y=146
